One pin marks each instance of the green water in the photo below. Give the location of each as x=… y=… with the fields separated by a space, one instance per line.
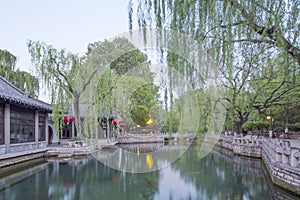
x=220 y=175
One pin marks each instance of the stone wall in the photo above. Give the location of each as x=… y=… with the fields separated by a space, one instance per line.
x=280 y=158
x=282 y=173
x=21 y=147
x=247 y=147
x=8 y=160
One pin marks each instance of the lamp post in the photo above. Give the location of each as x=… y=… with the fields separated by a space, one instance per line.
x=271 y=119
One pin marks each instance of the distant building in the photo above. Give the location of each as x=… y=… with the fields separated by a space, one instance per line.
x=104 y=123
x=23 y=120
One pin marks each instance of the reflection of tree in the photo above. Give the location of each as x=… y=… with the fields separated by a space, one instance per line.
x=93 y=180
x=220 y=175
x=216 y=178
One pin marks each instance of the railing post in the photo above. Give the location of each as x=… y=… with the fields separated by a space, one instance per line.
x=295 y=157
x=279 y=155
x=285 y=158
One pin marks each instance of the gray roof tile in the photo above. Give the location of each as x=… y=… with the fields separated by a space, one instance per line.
x=11 y=94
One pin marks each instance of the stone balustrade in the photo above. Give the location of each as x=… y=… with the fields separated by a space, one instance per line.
x=247 y=141
x=289 y=156
x=284 y=152
x=281 y=157
x=247 y=146
x=295 y=157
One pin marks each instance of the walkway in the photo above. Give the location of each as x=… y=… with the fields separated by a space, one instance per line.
x=9 y=159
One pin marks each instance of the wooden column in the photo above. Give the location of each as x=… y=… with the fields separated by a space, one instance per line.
x=36 y=127
x=73 y=129
x=46 y=129
x=7 y=127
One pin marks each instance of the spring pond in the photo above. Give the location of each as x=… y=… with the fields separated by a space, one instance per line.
x=219 y=175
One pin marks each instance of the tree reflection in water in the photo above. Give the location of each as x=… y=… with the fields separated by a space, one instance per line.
x=220 y=175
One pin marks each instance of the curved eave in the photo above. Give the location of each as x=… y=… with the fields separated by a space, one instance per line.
x=27 y=103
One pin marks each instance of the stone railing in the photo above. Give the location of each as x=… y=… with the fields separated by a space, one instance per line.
x=282 y=161
x=280 y=156
x=283 y=152
x=279 y=150
x=286 y=154
x=226 y=142
x=247 y=141
x=295 y=157
x=247 y=146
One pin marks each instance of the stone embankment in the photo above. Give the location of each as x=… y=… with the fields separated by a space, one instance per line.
x=68 y=149
x=8 y=160
x=280 y=156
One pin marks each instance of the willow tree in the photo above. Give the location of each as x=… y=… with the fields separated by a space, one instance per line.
x=223 y=28
x=71 y=79
x=219 y=24
x=21 y=79
x=56 y=69
x=118 y=58
x=133 y=95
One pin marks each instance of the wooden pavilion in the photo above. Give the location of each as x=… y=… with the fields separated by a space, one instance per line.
x=23 y=120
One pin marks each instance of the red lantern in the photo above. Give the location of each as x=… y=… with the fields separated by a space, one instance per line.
x=122 y=124
x=115 y=122
x=68 y=119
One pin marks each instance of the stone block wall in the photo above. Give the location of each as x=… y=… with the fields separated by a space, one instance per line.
x=247 y=150
x=282 y=174
x=281 y=160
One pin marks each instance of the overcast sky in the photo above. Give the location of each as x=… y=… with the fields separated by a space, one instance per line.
x=65 y=24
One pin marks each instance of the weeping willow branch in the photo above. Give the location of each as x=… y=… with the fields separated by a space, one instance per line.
x=274 y=32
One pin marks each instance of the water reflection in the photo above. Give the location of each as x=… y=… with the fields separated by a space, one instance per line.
x=173 y=186
x=220 y=175
x=141 y=158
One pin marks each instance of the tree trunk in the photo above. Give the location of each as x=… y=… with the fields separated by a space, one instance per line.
x=239 y=124
x=238 y=127
x=76 y=113
x=286 y=130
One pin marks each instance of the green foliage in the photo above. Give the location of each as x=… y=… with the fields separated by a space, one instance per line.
x=74 y=139
x=172 y=121
x=122 y=69
x=142 y=100
x=121 y=96
x=21 y=79
x=205 y=110
x=269 y=22
x=57 y=70
x=71 y=79
x=7 y=61
x=255 y=45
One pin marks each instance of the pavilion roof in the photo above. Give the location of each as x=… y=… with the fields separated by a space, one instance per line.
x=11 y=94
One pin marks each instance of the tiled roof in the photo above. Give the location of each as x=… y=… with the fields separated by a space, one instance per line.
x=11 y=94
